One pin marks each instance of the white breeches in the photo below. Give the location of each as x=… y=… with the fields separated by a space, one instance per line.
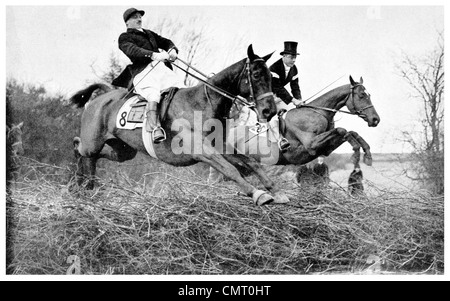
x=155 y=78
x=282 y=105
x=247 y=117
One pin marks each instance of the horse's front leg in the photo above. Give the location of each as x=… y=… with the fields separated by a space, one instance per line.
x=256 y=168
x=364 y=145
x=355 y=146
x=314 y=144
x=217 y=161
x=327 y=142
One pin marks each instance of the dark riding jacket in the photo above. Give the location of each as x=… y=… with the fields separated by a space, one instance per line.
x=139 y=46
x=279 y=80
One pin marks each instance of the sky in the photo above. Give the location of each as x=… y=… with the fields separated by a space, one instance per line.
x=60 y=46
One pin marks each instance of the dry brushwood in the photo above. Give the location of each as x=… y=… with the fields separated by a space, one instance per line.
x=172 y=222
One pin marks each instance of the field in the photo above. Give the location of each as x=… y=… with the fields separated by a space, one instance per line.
x=148 y=218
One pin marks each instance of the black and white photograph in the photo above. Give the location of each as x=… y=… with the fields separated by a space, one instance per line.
x=224 y=141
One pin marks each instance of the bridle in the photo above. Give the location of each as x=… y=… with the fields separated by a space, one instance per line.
x=352 y=107
x=249 y=82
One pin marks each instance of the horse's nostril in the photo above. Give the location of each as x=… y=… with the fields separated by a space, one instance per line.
x=376 y=121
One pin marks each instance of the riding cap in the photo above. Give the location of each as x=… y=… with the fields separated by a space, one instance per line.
x=290 y=47
x=129 y=12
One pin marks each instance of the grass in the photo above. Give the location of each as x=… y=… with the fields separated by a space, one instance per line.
x=170 y=221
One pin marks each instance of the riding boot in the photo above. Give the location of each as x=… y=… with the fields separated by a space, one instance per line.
x=283 y=143
x=153 y=125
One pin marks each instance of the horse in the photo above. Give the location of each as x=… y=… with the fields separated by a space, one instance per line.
x=250 y=78
x=310 y=129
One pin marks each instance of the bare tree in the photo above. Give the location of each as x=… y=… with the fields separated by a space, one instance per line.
x=190 y=38
x=425 y=76
x=112 y=70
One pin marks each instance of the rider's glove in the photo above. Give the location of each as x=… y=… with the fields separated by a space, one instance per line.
x=160 y=56
x=173 y=55
x=298 y=102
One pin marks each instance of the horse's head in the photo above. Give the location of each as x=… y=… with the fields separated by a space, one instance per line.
x=14 y=137
x=256 y=84
x=360 y=104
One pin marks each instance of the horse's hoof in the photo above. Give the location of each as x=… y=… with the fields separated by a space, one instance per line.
x=281 y=198
x=367 y=160
x=76 y=141
x=262 y=198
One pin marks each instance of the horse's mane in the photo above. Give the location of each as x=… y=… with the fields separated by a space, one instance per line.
x=332 y=94
x=224 y=73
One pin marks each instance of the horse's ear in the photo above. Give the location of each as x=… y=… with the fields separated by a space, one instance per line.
x=361 y=80
x=251 y=55
x=352 y=82
x=267 y=57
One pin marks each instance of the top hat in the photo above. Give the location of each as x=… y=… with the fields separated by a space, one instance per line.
x=290 y=48
x=129 y=12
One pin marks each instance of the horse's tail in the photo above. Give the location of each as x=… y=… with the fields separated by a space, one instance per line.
x=82 y=97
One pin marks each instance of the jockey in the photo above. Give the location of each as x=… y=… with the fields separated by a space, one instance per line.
x=150 y=71
x=283 y=72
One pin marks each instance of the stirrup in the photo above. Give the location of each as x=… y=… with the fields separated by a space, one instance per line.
x=158 y=139
x=286 y=144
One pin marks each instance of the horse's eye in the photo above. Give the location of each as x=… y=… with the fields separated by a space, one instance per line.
x=256 y=75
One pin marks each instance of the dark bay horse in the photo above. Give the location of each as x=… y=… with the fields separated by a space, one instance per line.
x=249 y=78
x=310 y=129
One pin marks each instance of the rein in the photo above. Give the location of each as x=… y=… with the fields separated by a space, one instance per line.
x=358 y=113
x=233 y=98
x=214 y=88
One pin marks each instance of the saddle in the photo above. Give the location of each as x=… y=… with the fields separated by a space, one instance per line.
x=132 y=113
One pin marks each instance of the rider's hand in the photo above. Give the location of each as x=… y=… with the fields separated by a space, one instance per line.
x=298 y=102
x=173 y=55
x=160 y=56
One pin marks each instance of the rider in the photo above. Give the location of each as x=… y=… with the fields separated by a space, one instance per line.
x=283 y=72
x=150 y=71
